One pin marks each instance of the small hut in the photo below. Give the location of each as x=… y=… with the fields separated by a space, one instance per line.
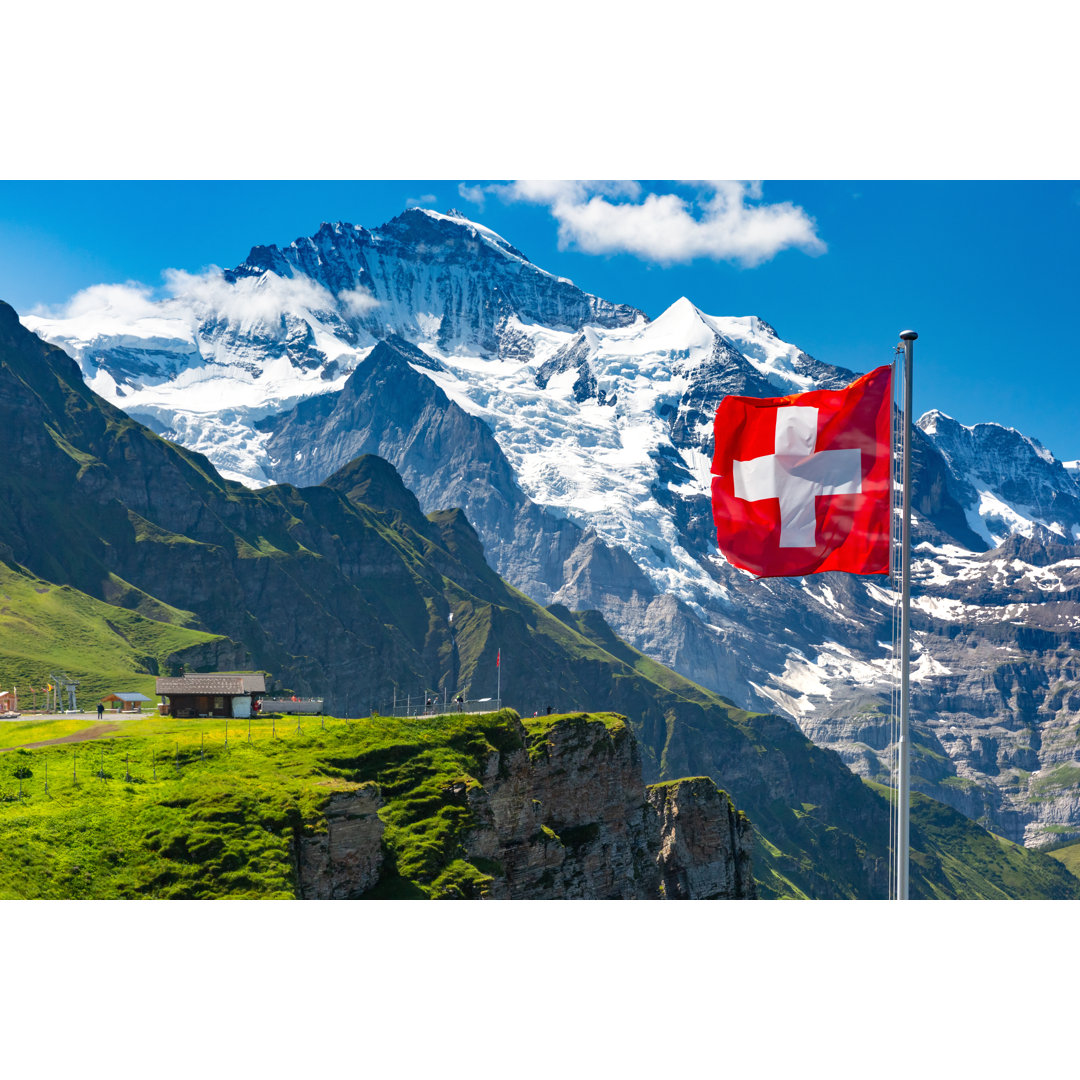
x=217 y=694
x=124 y=702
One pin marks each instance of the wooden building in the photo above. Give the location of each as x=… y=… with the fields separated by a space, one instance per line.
x=210 y=695
x=124 y=702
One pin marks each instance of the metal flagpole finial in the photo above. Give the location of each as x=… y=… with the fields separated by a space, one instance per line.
x=908 y=335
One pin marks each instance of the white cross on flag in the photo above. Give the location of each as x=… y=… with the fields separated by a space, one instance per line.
x=801 y=484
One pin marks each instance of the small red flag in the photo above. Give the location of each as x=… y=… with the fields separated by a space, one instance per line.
x=498 y=657
x=801 y=484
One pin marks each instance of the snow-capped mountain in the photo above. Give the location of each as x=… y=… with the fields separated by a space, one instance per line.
x=227 y=348
x=1007 y=482
x=576 y=433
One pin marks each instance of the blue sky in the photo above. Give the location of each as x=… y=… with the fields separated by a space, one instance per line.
x=985 y=271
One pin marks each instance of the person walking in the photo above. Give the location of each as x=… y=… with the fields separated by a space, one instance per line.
x=100 y=710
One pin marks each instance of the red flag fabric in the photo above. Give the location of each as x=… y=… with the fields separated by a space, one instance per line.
x=801 y=484
x=498 y=657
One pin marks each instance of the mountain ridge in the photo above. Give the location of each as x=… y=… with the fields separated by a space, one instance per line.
x=604 y=426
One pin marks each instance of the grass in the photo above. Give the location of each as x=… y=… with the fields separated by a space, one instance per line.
x=164 y=808
x=953 y=857
x=47 y=629
x=1069 y=857
x=21 y=732
x=537 y=728
x=960 y=783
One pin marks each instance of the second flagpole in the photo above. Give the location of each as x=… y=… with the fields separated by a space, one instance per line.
x=904 y=779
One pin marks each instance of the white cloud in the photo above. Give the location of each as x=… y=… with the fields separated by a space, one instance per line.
x=422 y=200
x=358 y=302
x=189 y=298
x=721 y=220
x=262 y=299
x=476 y=193
x=127 y=302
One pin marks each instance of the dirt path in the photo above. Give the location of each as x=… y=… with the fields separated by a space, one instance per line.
x=77 y=736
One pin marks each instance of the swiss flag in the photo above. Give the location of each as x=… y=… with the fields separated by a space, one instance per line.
x=801 y=484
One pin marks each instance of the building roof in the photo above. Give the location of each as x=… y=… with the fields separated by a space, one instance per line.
x=212 y=684
x=125 y=697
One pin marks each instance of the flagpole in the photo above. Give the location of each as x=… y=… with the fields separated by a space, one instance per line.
x=904 y=779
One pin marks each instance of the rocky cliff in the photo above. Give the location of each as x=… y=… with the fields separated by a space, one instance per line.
x=562 y=814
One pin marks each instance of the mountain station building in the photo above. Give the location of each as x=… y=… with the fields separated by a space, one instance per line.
x=222 y=695
x=124 y=702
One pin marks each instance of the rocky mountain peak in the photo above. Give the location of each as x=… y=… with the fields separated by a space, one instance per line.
x=1006 y=480
x=454 y=229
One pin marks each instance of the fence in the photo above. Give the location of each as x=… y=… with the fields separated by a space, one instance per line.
x=72 y=764
x=436 y=706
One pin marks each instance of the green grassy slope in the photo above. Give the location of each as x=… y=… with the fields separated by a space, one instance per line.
x=46 y=628
x=1069 y=857
x=219 y=820
x=951 y=857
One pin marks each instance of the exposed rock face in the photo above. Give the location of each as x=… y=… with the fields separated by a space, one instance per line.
x=704 y=842
x=344 y=862
x=563 y=817
x=994 y=695
x=569 y=818
x=466 y=278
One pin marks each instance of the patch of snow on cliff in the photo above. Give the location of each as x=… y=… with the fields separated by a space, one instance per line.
x=924 y=667
x=827 y=598
x=885 y=597
x=941 y=607
x=804 y=684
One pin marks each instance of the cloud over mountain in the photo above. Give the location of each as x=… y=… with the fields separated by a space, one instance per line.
x=719 y=220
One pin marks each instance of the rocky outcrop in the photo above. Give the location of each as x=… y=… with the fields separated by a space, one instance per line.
x=704 y=842
x=567 y=817
x=559 y=813
x=344 y=862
